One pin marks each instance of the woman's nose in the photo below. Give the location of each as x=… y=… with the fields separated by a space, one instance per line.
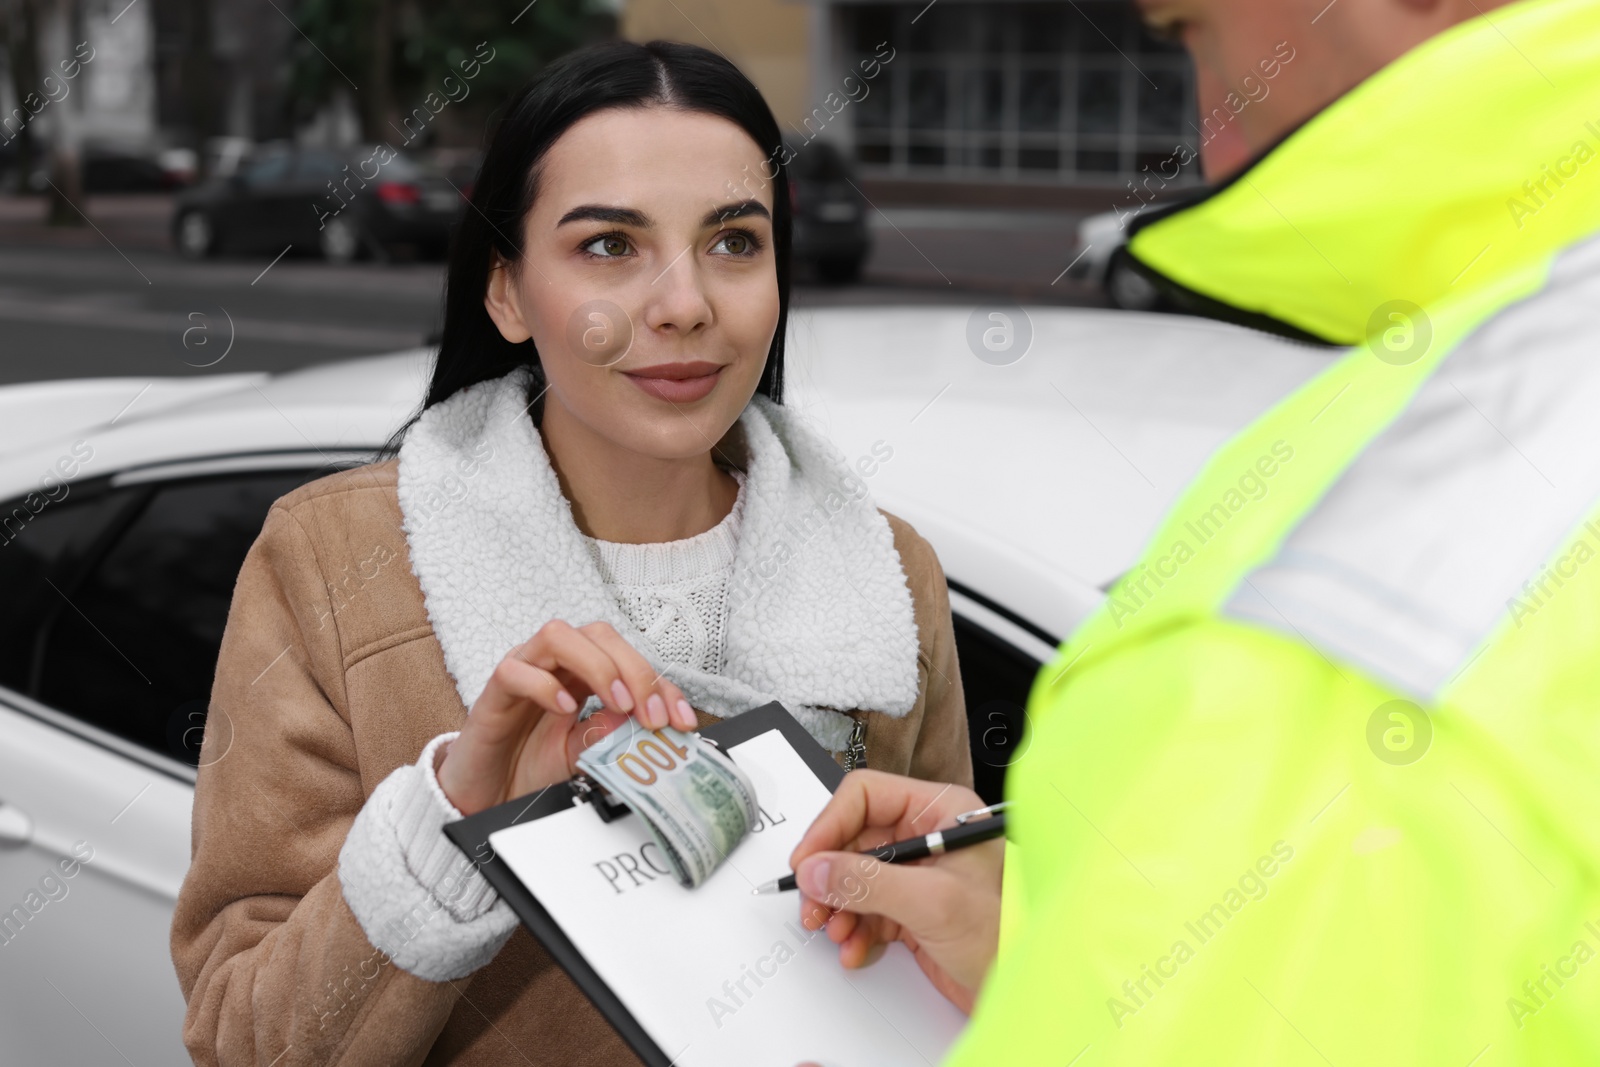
x=676 y=298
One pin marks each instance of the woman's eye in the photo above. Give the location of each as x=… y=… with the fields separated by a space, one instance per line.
x=737 y=244
x=608 y=246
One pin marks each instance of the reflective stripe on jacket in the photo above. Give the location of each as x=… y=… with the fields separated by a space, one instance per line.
x=1320 y=784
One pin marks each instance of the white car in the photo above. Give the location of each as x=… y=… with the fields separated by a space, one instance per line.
x=1100 y=236
x=1035 y=450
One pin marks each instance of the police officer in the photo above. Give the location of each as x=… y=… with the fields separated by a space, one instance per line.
x=1320 y=783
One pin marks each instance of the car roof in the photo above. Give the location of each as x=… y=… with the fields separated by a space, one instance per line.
x=1036 y=482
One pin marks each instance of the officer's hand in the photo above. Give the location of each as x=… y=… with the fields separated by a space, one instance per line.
x=946 y=908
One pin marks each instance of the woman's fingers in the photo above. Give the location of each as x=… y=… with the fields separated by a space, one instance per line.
x=649 y=696
x=515 y=732
x=607 y=666
x=575 y=652
x=683 y=716
x=503 y=705
x=479 y=765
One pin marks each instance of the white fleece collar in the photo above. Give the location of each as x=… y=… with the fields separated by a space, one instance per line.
x=822 y=616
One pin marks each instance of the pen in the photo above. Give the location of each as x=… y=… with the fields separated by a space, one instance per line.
x=961 y=835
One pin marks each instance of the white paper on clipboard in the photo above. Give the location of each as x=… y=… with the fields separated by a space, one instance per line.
x=718 y=977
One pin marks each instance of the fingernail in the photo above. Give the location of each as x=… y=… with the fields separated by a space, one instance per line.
x=689 y=718
x=567 y=703
x=813 y=878
x=658 y=710
x=620 y=694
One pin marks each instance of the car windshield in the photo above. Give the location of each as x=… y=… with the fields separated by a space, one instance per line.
x=267 y=168
x=320 y=164
x=316 y=165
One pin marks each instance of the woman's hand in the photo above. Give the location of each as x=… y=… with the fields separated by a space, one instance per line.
x=523 y=734
x=946 y=908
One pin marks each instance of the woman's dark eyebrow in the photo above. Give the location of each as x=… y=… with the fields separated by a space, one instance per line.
x=621 y=216
x=738 y=210
x=625 y=216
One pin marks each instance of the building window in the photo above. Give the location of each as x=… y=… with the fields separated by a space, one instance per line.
x=1055 y=92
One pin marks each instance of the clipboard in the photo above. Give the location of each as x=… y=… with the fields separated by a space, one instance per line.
x=472 y=834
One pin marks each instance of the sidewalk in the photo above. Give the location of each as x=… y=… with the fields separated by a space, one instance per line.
x=127 y=221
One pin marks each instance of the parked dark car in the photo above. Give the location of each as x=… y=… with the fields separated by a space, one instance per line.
x=107 y=170
x=830 y=212
x=343 y=204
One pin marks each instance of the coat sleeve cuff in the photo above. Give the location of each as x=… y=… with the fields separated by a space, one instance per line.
x=420 y=814
x=417 y=897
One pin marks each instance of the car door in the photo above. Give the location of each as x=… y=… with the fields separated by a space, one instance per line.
x=117 y=596
x=310 y=195
x=249 y=217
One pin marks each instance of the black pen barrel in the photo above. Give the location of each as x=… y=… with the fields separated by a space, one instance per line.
x=902 y=851
x=936 y=843
x=955 y=837
x=973 y=833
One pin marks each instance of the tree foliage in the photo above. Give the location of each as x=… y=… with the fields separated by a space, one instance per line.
x=425 y=42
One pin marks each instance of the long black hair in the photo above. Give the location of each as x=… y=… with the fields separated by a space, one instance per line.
x=608 y=75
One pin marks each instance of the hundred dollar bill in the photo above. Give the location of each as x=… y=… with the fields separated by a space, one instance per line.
x=696 y=803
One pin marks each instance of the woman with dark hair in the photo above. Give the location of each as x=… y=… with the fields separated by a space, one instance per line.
x=603 y=506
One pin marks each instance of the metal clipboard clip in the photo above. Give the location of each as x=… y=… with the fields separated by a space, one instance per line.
x=961 y=820
x=592 y=793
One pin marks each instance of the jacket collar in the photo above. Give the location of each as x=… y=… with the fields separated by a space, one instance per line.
x=822 y=616
x=1475 y=153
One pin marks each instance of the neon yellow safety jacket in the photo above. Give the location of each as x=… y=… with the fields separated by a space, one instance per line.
x=1320 y=783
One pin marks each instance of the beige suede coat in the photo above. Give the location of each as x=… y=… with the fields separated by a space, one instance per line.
x=330 y=677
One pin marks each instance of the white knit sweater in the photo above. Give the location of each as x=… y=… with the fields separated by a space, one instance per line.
x=676 y=592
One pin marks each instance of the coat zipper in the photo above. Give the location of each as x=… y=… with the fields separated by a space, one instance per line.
x=855 y=751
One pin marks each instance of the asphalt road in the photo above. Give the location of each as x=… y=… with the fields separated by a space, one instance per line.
x=113 y=299
x=68 y=313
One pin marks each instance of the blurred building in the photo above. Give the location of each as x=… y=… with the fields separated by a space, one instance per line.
x=1039 y=103
x=1004 y=102
x=98 y=65
x=157 y=74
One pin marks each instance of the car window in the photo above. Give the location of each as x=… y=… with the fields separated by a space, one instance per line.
x=131 y=642
x=37 y=538
x=266 y=170
x=995 y=678
x=317 y=166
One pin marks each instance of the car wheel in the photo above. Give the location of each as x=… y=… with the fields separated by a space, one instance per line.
x=340 y=240
x=840 y=271
x=197 y=235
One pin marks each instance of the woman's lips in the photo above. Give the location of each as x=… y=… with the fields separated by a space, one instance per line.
x=677 y=383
